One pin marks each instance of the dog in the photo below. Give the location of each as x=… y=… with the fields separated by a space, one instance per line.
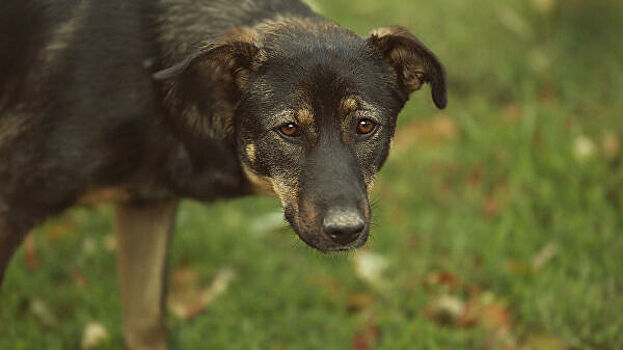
x=145 y=102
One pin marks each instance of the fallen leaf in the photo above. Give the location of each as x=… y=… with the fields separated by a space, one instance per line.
x=189 y=302
x=370 y=267
x=583 y=148
x=495 y=316
x=366 y=337
x=359 y=301
x=512 y=113
x=475 y=177
x=94 y=334
x=445 y=309
x=548 y=94
x=610 y=145
x=184 y=279
x=442 y=278
x=30 y=248
x=491 y=207
x=79 y=279
x=43 y=313
x=544 y=256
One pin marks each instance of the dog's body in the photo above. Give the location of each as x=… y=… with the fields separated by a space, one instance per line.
x=260 y=94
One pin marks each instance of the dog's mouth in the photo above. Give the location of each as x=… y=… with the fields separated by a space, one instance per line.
x=338 y=231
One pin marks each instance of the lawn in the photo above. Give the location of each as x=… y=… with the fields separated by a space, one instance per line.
x=497 y=222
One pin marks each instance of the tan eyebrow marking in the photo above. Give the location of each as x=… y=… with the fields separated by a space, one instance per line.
x=349 y=105
x=305 y=116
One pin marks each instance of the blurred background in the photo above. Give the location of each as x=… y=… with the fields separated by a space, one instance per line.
x=497 y=222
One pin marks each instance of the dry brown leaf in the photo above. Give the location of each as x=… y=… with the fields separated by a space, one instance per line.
x=30 y=249
x=491 y=206
x=548 y=94
x=359 y=301
x=512 y=113
x=79 y=279
x=474 y=179
x=610 y=145
x=442 y=278
x=366 y=337
x=445 y=309
x=187 y=301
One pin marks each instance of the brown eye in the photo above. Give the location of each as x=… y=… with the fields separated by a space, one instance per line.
x=365 y=126
x=289 y=129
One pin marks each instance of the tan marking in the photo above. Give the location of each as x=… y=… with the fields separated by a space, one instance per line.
x=106 y=194
x=370 y=180
x=250 y=150
x=305 y=117
x=286 y=192
x=349 y=105
x=261 y=184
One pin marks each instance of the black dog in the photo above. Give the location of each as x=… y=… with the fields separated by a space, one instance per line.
x=145 y=102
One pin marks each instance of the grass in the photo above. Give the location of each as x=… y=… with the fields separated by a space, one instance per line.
x=499 y=220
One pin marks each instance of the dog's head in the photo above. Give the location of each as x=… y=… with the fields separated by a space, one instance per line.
x=314 y=109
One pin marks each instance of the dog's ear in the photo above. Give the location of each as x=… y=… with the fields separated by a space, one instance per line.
x=202 y=90
x=228 y=62
x=413 y=62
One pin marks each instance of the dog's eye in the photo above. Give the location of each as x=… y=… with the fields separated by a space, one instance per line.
x=289 y=130
x=365 y=126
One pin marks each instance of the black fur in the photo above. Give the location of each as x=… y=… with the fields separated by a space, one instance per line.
x=163 y=98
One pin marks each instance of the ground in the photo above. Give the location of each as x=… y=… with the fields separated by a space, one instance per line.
x=497 y=222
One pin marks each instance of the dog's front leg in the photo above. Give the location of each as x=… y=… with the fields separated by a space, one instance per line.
x=143 y=233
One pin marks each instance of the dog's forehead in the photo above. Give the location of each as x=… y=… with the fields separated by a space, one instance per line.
x=317 y=97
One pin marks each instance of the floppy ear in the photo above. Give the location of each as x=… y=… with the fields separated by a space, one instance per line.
x=202 y=90
x=413 y=62
x=227 y=61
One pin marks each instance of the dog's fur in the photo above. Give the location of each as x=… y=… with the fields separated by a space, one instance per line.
x=145 y=102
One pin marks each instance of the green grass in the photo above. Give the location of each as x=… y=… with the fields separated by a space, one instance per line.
x=471 y=197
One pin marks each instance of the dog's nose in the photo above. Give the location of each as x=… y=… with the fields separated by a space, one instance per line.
x=343 y=226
